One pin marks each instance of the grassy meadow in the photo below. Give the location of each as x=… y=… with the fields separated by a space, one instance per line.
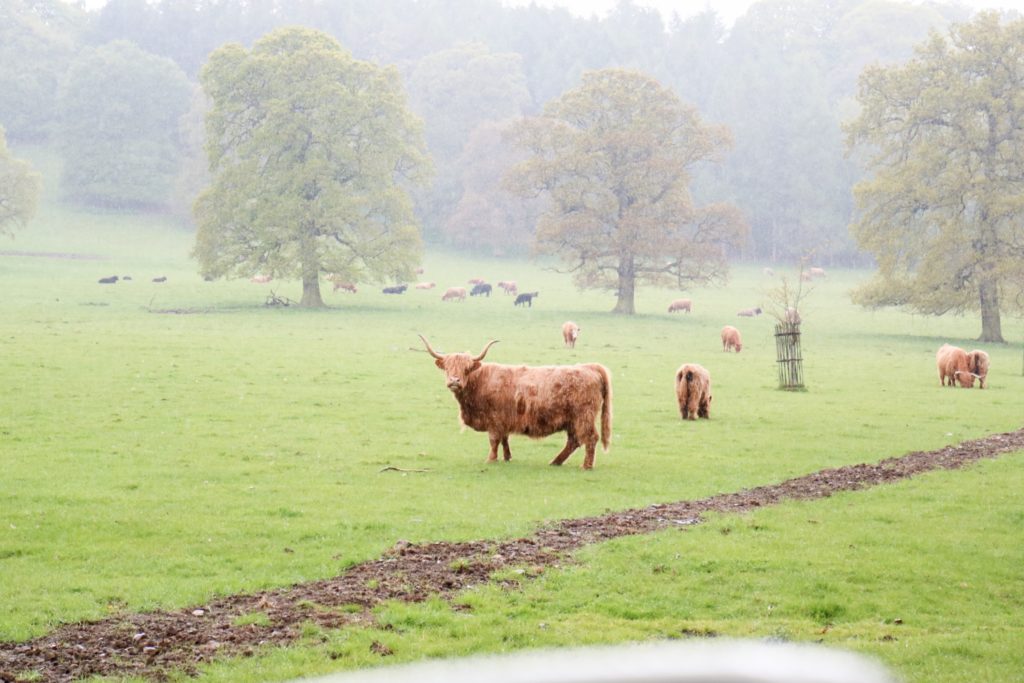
x=163 y=443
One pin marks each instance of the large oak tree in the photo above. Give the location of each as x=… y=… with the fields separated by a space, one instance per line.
x=613 y=158
x=308 y=149
x=943 y=213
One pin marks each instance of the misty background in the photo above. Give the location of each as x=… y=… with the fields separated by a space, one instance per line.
x=113 y=91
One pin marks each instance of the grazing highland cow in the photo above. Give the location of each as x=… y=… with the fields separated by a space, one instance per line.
x=681 y=305
x=260 y=279
x=977 y=362
x=731 y=339
x=426 y=285
x=509 y=286
x=526 y=298
x=953 y=366
x=570 y=333
x=535 y=401
x=454 y=294
x=693 y=391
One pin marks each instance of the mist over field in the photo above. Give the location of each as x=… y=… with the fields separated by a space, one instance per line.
x=225 y=226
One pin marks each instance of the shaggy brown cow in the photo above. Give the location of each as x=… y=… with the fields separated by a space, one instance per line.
x=426 y=285
x=693 y=391
x=570 y=333
x=953 y=366
x=731 y=339
x=509 y=286
x=454 y=294
x=347 y=286
x=476 y=281
x=535 y=401
x=260 y=279
x=977 y=362
x=681 y=305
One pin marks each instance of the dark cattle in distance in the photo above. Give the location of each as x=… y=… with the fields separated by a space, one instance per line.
x=481 y=288
x=398 y=289
x=162 y=278
x=526 y=298
x=108 y=280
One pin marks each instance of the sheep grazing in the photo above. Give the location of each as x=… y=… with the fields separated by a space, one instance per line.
x=426 y=285
x=953 y=366
x=693 y=391
x=749 y=312
x=731 y=339
x=570 y=333
x=977 y=361
x=681 y=305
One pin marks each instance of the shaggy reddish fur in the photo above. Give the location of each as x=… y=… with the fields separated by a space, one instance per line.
x=570 y=333
x=977 y=362
x=681 y=305
x=731 y=339
x=457 y=293
x=953 y=366
x=693 y=390
x=535 y=401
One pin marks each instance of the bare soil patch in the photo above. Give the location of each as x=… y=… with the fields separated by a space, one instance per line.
x=153 y=644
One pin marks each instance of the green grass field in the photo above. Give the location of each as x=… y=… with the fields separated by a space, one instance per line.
x=165 y=443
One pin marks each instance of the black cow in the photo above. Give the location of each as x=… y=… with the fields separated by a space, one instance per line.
x=482 y=288
x=162 y=278
x=526 y=298
x=108 y=280
x=400 y=289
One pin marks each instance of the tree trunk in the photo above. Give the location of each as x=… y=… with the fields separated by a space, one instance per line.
x=311 y=293
x=627 y=284
x=991 y=326
x=310 y=271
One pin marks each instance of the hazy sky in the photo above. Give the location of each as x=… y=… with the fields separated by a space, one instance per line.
x=729 y=10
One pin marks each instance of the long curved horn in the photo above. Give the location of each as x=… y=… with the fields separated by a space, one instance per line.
x=486 y=348
x=431 y=351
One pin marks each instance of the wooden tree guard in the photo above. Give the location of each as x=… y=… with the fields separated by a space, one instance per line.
x=790 y=358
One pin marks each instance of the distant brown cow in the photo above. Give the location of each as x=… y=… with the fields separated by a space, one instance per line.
x=693 y=391
x=953 y=367
x=817 y=272
x=260 y=279
x=535 y=401
x=476 y=281
x=977 y=361
x=347 y=286
x=509 y=286
x=454 y=294
x=570 y=333
x=681 y=305
x=426 y=285
x=731 y=339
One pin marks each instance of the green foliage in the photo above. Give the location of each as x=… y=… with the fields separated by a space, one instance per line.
x=943 y=214
x=307 y=147
x=19 y=189
x=119 y=108
x=37 y=42
x=613 y=158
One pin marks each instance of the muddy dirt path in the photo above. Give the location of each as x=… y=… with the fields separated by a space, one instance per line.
x=153 y=644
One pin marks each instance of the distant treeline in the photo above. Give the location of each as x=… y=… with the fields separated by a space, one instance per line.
x=115 y=92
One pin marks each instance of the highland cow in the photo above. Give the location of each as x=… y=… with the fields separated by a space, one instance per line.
x=535 y=401
x=953 y=367
x=570 y=333
x=731 y=340
x=977 y=362
x=693 y=391
x=454 y=294
x=681 y=305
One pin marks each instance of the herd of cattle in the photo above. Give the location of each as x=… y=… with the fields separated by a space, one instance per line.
x=480 y=287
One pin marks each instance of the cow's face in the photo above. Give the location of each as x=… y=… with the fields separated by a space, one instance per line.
x=457 y=367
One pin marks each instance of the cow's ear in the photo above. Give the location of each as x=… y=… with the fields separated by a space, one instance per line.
x=474 y=366
x=439 y=363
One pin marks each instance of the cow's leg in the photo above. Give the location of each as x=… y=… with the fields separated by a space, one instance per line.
x=495 y=440
x=505 y=449
x=703 y=410
x=588 y=460
x=571 y=444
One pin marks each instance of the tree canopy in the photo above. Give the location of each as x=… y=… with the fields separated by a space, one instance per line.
x=308 y=149
x=19 y=190
x=943 y=213
x=119 y=108
x=613 y=159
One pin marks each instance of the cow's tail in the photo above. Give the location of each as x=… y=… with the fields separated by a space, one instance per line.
x=606 y=407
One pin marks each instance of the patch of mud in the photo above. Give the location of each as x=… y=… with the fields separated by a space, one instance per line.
x=153 y=644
